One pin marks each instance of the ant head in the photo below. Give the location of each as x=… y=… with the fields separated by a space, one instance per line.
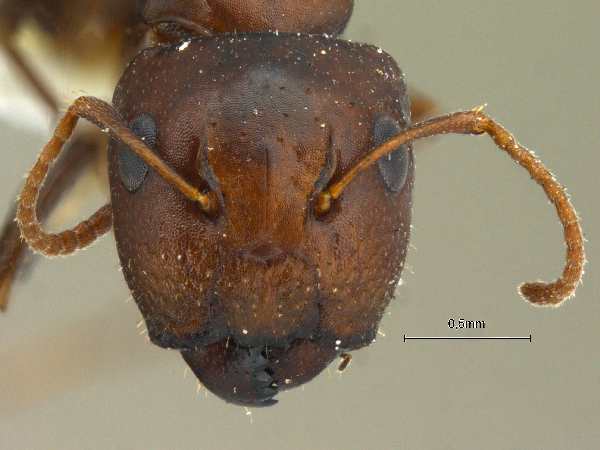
x=262 y=124
x=176 y=19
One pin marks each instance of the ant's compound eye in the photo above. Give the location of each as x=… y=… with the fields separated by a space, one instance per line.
x=132 y=169
x=394 y=166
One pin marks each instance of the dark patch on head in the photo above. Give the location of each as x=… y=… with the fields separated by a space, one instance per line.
x=132 y=169
x=393 y=167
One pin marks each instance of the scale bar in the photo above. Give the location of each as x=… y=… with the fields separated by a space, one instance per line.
x=469 y=338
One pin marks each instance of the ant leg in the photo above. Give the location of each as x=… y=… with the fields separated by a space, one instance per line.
x=475 y=122
x=11 y=256
x=82 y=235
x=27 y=71
x=421 y=106
x=13 y=250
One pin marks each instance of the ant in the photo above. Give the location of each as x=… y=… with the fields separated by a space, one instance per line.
x=111 y=32
x=261 y=190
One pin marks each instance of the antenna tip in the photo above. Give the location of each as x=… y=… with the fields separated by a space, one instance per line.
x=544 y=294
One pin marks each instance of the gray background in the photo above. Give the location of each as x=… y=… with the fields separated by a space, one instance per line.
x=77 y=375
